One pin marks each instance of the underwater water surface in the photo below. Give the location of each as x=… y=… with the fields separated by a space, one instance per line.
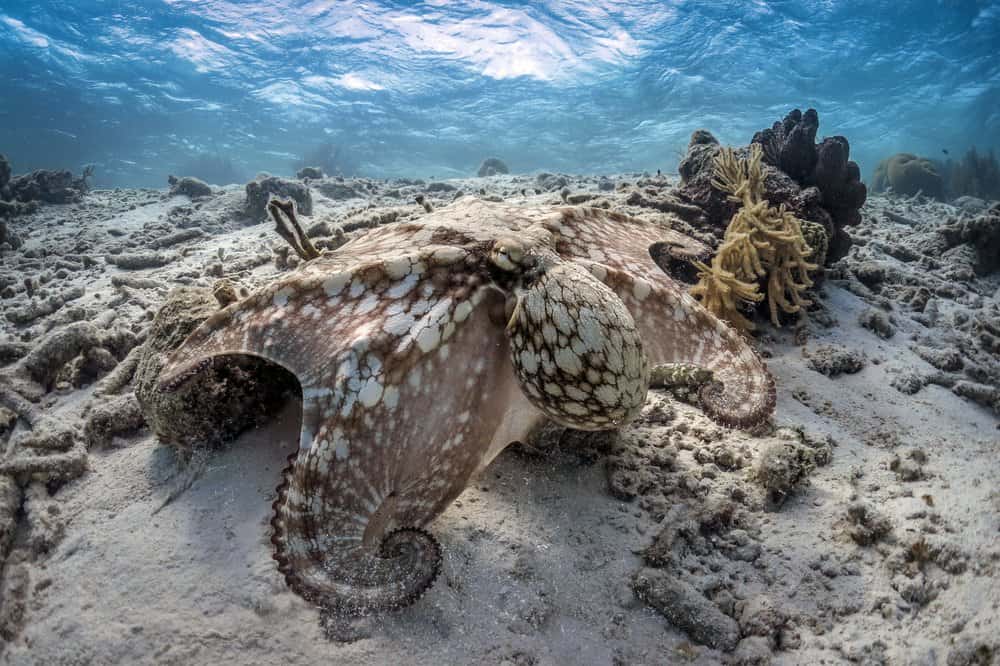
x=143 y=89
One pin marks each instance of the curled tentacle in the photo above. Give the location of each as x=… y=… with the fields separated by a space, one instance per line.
x=677 y=329
x=391 y=572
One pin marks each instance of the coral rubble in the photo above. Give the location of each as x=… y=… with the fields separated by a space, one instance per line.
x=936 y=280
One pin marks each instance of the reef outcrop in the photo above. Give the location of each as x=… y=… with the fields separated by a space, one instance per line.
x=815 y=181
x=492 y=166
x=310 y=172
x=42 y=185
x=188 y=186
x=908 y=174
x=259 y=191
x=21 y=195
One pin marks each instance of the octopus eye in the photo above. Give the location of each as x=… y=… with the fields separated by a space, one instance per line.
x=507 y=255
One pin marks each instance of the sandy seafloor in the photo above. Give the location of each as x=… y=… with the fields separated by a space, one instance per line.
x=539 y=553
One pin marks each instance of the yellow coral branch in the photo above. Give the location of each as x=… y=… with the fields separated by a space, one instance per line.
x=724 y=294
x=761 y=242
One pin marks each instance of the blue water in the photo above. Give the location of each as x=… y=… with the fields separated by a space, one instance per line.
x=140 y=88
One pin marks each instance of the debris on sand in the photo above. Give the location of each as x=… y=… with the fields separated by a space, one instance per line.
x=834 y=360
x=867 y=525
x=687 y=609
x=783 y=466
x=118 y=417
x=137 y=261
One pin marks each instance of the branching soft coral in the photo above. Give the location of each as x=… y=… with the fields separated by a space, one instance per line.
x=761 y=243
x=723 y=293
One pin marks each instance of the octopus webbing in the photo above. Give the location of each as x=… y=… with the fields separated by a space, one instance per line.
x=424 y=348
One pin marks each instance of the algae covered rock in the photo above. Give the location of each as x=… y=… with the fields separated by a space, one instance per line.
x=783 y=467
x=189 y=187
x=311 y=172
x=260 y=190
x=58 y=187
x=550 y=181
x=492 y=166
x=702 y=149
x=834 y=360
x=230 y=395
x=908 y=174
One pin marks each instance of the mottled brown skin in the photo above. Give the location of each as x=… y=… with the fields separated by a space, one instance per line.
x=423 y=349
x=575 y=348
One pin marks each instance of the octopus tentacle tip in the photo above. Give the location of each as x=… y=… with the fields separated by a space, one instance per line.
x=277 y=530
x=423 y=349
x=430 y=556
x=712 y=402
x=414 y=552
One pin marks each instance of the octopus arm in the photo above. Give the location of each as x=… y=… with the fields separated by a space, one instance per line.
x=676 y=329
x=297 y=321
x=405 y=384
x=624 y=243
x=381 y=457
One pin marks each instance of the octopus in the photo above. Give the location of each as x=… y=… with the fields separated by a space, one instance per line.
x=424 y=348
